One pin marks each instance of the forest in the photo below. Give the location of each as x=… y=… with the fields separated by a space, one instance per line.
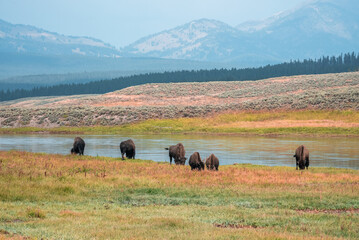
x=335 y=64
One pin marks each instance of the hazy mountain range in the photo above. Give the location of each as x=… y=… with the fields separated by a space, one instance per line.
x=322 y=27
x=28 y=39
x=27 y=50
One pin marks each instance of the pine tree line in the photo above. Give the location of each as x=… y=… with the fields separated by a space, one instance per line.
x=343 y=63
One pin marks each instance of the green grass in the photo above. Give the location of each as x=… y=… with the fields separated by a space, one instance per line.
x=83 y=197
x=154 y=126
x=226 y=123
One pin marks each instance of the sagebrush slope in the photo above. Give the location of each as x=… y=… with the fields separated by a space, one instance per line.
x=174 y=100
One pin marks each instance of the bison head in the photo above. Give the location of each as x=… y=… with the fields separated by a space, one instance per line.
x=201 y=165
x=182 y=161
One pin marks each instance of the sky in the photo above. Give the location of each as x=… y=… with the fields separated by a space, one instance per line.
x=121 y=22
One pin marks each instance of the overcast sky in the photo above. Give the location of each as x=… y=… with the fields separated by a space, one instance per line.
x=121 y=22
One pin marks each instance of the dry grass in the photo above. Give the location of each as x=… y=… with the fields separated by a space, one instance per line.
x=72 y=197
x=26 y=164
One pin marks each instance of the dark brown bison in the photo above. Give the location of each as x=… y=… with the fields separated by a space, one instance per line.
x=195 y=162
x=302 y=157
x=78 y=146
x=212 y=162
x=178 y=153
x=128 y=147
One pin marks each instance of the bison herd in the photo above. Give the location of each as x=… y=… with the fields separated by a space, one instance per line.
x=177 y=153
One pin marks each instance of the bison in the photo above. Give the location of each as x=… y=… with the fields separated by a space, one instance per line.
x=178 y=153
x=195 y=162
x=302 y=157
x=128 y=147
x=78 y=146
x=212 y=162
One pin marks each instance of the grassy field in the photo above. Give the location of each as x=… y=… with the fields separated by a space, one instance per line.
x=73 y=197
x=306 y=122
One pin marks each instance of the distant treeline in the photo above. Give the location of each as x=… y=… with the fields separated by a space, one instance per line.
x=343 y=63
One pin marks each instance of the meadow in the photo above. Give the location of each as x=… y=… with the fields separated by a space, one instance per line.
x=81 y=197
x=304 y=122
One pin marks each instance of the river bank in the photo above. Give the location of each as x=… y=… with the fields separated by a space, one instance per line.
x=304 y=122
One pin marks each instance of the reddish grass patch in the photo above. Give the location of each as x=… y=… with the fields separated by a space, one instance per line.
x=329 y=211
x=70 y=213
x=237 y=226
x=4 y=232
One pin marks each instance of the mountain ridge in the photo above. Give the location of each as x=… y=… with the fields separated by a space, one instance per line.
x=30 y=39
x=184 y=38
x=311 y=30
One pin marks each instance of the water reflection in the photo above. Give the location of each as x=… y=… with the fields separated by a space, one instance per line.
x=324 y=152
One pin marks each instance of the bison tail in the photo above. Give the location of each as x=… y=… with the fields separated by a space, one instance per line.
x=294 y=155
x=166 y=148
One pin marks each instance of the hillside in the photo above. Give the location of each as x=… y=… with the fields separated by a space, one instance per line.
x=173 y=100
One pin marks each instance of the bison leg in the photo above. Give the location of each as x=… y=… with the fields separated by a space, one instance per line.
x=296 y=162
x=307 y=162
x=123 y=156
x=170 y=160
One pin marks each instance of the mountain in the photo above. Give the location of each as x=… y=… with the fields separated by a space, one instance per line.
x=27 y=50
x=314 y=29
x=18 y=38
x=311 y=30
x=200 y=40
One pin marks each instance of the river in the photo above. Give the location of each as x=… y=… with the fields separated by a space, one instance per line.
x=339 y=152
